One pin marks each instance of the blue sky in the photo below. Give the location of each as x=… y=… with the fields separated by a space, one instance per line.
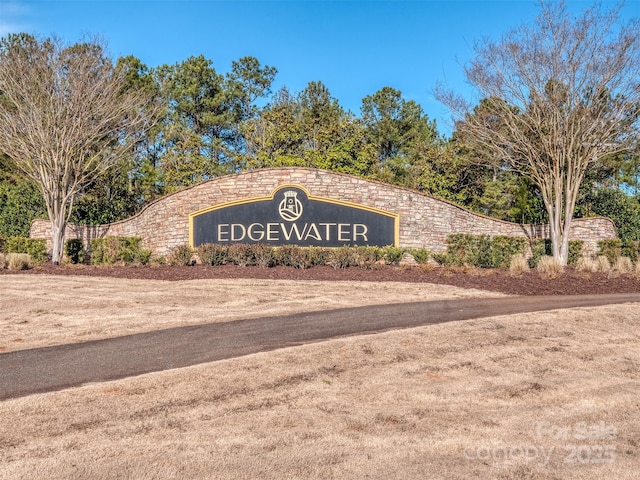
x=354 y=47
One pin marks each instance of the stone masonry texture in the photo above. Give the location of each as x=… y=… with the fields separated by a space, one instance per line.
x=425 y=222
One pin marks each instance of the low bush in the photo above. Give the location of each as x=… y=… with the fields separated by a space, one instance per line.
x=549 y=267
x=181 y=255
x=611 y=249
x=317 y=255
x=465 y=249
x=540 y=247
x=504 y=248
x=368 y=257
x=213 y=254
x=241 y=254
x=481 y=251
x=18 y=261
x=118 y=250
x=631 y=249
x=420 y=255
x=287 y=255
x=3 y=261
x=442 y=258
x=264 y=256
x=616 y=248
x=35 y=247
x=300 y=257
x=392 y=255
x=575 y=251
x=74 y=250
x=341 y=257
x=158 y=260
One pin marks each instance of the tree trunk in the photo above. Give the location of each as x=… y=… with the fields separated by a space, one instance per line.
x=56 y=208
x=58 y=226
x=558 y=224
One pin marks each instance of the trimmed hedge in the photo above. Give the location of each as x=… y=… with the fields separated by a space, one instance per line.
x=74 y=250
x=118 y=250
x=481 y=251
x=301 y=257
x=35 y=247
x=181 y=255
x=615 y=248
x=212 y=254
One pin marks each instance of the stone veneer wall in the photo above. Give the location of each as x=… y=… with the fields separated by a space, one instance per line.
x=424 y=221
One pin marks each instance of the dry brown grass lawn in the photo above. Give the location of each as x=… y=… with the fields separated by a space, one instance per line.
x=490 y=398
x=40 y=310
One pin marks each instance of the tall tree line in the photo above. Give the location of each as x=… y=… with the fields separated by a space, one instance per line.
x=204 y=124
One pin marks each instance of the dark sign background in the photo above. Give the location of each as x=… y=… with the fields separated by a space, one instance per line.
x=380 y=228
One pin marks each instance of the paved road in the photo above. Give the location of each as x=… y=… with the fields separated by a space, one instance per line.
x=54 y=368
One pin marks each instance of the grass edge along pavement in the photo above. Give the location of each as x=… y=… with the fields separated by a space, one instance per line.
x=52 y=368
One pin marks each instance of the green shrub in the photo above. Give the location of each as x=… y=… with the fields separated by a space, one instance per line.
x=575 y=251
x=461 y=248
x=241 y=254
x=442 y=258
x=481 y=251
x=158 y=260
x=611 y=249
x=466 y=249
x=614 y=203
x=540 y=247
x=341 y=257
x=35 y=247
x=504 y=248
x=420 y=255
x=300 y=257
x=20 y=204
x=392 y=255
x=181 y=255
x=264 y=255
x=118 y=250
x=318 y=255
x=367 y=257
x=286 y=255
x=74 y=250
x=1 y=244
x=616 y=248
x=213 y=254
x=630 y=249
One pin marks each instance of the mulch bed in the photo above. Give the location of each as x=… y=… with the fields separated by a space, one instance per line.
x=571 y=282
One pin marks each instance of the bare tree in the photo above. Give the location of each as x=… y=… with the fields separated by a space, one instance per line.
x=66 y=116
x=558 y=96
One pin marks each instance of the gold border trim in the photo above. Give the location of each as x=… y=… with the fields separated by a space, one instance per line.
x=395 y=216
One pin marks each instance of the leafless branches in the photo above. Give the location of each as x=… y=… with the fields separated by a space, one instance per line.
x=558 y=96
x=66 y=115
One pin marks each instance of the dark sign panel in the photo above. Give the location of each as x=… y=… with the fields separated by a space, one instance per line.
x=292 y=216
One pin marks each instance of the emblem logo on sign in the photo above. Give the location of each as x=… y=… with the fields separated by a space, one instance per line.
x=290 y=207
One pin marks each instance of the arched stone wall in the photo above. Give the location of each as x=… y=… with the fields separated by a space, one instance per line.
x=424 y=221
